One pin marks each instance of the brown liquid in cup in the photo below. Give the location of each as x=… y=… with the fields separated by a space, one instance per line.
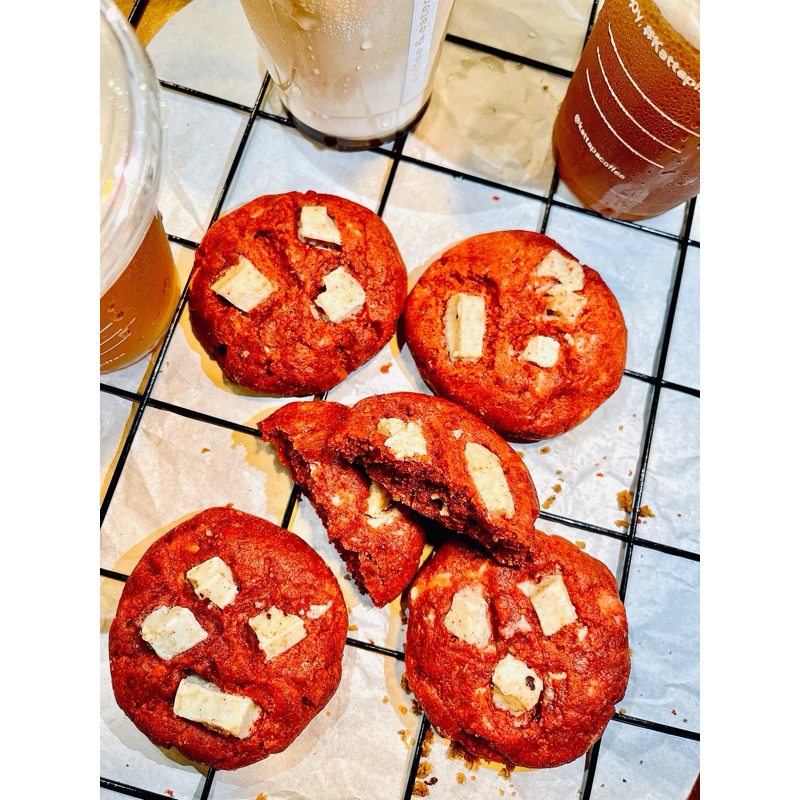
x=627 y=136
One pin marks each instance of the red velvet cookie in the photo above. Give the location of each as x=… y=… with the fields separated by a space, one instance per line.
x=511 y=326
x=380 y=541
x=520 y=665
x=228 y=639
x=292 y=292
x=446 y=464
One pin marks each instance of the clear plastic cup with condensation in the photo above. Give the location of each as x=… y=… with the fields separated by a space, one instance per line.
x=138 y=280
x=351 y=74
x=626 y=139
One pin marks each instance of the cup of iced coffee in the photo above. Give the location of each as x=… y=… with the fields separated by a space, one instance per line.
x=138 y=280
x=351 y=74
x=626 y=139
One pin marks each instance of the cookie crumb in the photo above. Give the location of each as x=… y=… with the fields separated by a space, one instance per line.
x=385 y=699
x=556 y=488
x=460 y=777
x=625 y=500
x=404 y=683
x=424 y=769
x=621 y=523
x=403 y=709
x=205 y=450
x=505 y=771
x=645 y=511
x=599 y=474
x=544 y=449
x=582 y=545
x=352 y=628
x=420 y=789
x=261 y=796
x=547 y=503
x=386 y=367
x=457 y=752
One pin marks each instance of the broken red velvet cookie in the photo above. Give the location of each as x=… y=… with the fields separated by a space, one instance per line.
x=379 y=540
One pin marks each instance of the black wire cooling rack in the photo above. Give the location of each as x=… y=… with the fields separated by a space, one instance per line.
x=631 y=538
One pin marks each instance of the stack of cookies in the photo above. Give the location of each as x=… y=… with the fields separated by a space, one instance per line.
x=229 y=635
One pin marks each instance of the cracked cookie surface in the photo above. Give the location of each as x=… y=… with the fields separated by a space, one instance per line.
x=519 y=665
x=284 y=311
x=380 y=541
x=511 y=326
x=228 y=639
x=443 y=462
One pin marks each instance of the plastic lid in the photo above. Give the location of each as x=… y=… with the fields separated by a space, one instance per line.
x=131 y=142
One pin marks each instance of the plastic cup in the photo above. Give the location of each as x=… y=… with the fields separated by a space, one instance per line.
x=351 y=73
x=627 y=136
x=138 y=279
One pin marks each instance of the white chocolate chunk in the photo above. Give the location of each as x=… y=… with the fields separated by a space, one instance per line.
x=490 y=481
x=171 y=630
x=378 y=501
x=342 y=297
x=276 y=631
x=405 y=439
x=550 y=601
x=541 y=350
x=317 y=227
x=515 y=686
x=443 y=510
x=202 y=701
x=564 y=303
x=316 y=611
x=382 y=519
x=243 y=286
x=213 y=580
x=565 y=270
x=465 y=325
x=468 y=617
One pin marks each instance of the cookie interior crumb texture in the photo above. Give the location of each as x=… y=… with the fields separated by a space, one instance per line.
x=439 y=459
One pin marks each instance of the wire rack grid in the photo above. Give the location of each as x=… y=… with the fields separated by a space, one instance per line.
x=172 y=418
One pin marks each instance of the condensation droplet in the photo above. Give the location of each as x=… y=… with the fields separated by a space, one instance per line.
x=366 y=45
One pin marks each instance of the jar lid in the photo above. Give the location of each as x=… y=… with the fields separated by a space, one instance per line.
x=131 y=142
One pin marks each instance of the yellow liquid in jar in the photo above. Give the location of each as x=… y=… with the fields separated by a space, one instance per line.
x=135 y=312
